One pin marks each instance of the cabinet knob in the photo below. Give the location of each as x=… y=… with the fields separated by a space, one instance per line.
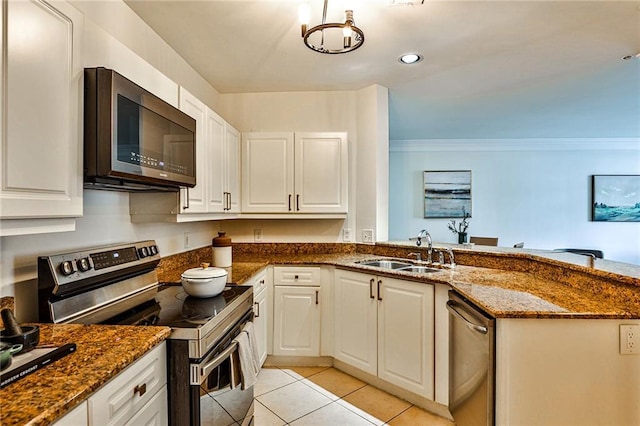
x=140 y=389
x=295 y=277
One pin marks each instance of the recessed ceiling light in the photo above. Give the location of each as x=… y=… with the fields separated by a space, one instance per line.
x=410 y=58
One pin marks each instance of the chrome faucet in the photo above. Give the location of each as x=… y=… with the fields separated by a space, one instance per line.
x=452 y=262
x=424 y=234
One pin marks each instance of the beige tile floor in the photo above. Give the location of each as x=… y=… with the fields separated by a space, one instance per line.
x=321 y=396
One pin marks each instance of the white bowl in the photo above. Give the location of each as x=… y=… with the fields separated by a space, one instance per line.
x=204 y=281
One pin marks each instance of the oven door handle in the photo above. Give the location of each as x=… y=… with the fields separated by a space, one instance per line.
x=206 y=370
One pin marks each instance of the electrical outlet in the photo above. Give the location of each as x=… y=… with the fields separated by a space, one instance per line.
x=629 y=339
x=346 y=234
x=367 y=236
x=257 y=235
x=186 y=240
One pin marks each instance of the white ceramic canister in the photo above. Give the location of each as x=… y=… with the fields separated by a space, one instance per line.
x=221 y=247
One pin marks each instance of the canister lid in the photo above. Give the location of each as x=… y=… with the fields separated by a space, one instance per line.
x=221 y=240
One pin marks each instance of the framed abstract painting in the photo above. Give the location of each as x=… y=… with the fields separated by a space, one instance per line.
x=447 y=194
x=616 y=198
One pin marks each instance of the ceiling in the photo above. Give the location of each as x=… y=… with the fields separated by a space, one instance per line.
x=473 y=50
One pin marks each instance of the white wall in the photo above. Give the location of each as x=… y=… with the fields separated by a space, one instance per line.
x=536 y=191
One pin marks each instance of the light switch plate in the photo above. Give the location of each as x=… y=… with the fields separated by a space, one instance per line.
x=367 y=236
x=346 y=235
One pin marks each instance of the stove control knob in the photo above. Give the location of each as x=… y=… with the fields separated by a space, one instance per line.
x=153 y=250
x=143 y=252
x=67 y=267
x=83 y=264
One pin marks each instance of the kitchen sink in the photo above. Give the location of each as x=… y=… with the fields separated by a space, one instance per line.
x=397 y=265
x=385 y=264
x=419 y=269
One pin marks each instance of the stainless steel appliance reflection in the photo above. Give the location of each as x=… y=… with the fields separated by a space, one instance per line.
x=119 y=285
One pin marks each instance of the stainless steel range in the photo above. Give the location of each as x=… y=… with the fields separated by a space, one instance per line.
x=119 y=285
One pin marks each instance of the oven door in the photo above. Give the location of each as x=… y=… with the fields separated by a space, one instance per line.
x=216 y=386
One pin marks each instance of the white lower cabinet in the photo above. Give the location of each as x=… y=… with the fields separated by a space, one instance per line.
x=261 y=313
x=385 y=327
x=76 y=417
x=154 y=413
x=297 y=311
x=138 y=395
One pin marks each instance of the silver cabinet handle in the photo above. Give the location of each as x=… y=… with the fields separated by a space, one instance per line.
x=258 y=309
x=186 y=199
x=451 y=306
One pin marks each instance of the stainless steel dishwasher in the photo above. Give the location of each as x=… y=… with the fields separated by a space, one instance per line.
x=471 y=363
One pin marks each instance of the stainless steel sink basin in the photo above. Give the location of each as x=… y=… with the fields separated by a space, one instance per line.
x=385 y=264
x=419 y=269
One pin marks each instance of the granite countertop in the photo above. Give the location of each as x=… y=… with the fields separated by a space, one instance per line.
x=530 y=290
x=102 y=352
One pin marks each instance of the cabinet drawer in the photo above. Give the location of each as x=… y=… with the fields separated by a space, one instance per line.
x=296 y=275
x=126 y=394
x=260 y=281
x=154 y=413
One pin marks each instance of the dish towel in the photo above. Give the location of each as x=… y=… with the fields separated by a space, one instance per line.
x=248 y=354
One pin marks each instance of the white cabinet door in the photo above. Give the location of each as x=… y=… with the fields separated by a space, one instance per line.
x=406 y=335
x=194 y=200
x=261 y=322
x=154 y=413
x=129 y=392
x=267 y=173
x=232 y=167
x=321 y=172
x=355 y=319
x=294 y=173
x=41 y=110
x=296 y=321
x=77 y=417
x=214 y=162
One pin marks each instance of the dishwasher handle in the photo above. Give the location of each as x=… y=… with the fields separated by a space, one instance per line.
x=451 y=306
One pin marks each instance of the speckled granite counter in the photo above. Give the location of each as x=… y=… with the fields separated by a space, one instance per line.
x=506 y=283
x=102 y=352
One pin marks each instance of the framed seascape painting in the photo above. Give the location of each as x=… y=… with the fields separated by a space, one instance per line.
x=447 y=194
x=616 y=198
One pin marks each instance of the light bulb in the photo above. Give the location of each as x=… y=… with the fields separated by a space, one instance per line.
x=304 y=13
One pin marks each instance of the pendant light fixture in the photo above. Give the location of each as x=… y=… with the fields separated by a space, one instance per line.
x=332 y=37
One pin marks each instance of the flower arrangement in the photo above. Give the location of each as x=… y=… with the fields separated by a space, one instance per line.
x=461 y=228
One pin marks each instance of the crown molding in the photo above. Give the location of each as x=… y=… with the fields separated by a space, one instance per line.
x=529 y=144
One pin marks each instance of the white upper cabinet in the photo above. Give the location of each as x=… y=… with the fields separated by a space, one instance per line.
x=294 y=173
x=194 y=200
x=232 y=169
x=41 y=110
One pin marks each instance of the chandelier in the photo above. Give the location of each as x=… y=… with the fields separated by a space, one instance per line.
x=332 y=37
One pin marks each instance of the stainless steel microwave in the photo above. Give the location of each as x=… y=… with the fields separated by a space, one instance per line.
x=133 y=140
